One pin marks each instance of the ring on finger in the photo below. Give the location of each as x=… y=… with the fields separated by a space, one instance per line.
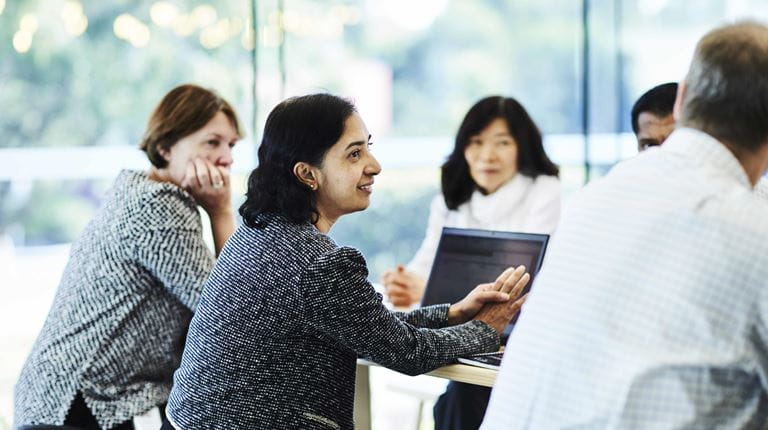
x=218 y=184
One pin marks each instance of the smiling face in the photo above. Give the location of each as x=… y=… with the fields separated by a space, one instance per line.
x=345 y=178
x=492 y=156
x=213 y=142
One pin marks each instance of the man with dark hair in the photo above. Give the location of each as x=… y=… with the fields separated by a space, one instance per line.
x=652 y=119
x=650 y=310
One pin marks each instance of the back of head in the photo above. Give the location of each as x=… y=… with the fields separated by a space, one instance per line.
x=456 y=182
x=183 y=111
x=726 y=92
x=299 y=129
x=659 y=100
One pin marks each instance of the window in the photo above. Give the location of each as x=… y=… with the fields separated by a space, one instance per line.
x=79 y=78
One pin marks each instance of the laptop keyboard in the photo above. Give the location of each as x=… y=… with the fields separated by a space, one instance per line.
x=491 y=360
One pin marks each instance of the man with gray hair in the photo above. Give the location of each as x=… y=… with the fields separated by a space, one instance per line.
x=650 y=310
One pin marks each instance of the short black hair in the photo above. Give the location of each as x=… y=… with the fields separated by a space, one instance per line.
x=300 y=129
x=659 y=100
x=726 y=92
x=457 y=183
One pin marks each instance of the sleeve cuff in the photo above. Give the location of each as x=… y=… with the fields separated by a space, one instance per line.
x=489 y=340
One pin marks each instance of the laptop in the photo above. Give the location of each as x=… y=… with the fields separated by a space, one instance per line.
x=468 y=257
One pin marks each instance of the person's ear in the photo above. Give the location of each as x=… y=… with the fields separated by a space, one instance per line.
x=305 y=174
x=677 y=110
x=165 y=153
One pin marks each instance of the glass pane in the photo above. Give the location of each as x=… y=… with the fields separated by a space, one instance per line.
x=414 y=69
x=84 y=74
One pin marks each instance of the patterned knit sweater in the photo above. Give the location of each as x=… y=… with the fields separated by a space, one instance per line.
x=115 y=331
x=281 y=321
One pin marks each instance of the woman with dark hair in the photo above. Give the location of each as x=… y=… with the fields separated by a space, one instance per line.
x=286 y=311
x=498 y=177
x=115 y=331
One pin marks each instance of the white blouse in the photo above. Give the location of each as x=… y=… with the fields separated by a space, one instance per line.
x=762 y=188
x=523 y=204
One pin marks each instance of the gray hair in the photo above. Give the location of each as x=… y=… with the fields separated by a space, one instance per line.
x=727 y=86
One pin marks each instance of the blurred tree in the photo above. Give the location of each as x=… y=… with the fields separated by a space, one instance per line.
x=95 y=88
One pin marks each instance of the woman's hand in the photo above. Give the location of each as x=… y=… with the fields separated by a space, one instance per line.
x=403 y=287
x=494 y=303
x=209 y=185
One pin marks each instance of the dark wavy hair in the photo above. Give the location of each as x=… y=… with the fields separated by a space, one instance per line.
x=457 y=183
x=300 y=129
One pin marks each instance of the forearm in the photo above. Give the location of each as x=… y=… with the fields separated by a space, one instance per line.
x=222 y=226
x=339 y=301
x=436 y=316
x=421 y=350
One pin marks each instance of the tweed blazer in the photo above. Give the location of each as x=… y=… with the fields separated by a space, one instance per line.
x=115 y=331
x=281 y=322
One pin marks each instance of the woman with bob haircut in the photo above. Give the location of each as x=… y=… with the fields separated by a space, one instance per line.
x=286 y=311
x=498 y=177
x=115 y=332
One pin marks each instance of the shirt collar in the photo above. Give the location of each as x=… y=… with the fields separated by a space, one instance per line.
x=511 y=187
x=705 y=149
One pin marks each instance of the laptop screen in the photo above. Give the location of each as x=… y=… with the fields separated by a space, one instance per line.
x=466 y=258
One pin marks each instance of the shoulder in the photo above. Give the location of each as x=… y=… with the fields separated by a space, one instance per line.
x=546 y=183
x=437 y=207
x=748 y=209
x=337 y=265
x=277 y=236
x=156 y=205
x=343 y=256
x=547 y=192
